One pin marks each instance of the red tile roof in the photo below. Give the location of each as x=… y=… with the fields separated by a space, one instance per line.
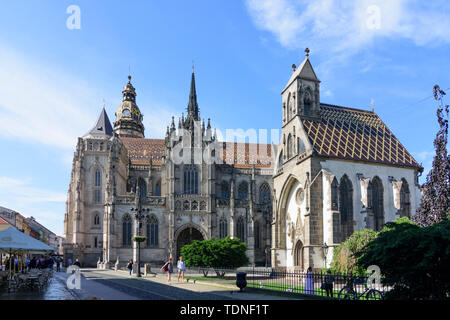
x=355 y=134
x=3 y=221
x=141 y=150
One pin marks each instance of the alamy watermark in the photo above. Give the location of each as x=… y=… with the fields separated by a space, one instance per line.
x=74 y=280
x=73 y=22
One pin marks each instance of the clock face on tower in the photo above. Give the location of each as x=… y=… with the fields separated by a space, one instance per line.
x=126 y=113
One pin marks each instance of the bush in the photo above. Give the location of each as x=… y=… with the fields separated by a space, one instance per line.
x=415 y=260
x=343 y=255
x=222 y=253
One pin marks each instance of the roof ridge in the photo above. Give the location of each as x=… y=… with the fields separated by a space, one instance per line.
x=344 y=107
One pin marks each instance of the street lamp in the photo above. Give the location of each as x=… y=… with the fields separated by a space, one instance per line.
x=139 y=215
x=325 y=251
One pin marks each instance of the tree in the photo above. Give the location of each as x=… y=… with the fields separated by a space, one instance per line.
x=343 y=255
x=414 y=260
x=435 y=203
x=222 y=253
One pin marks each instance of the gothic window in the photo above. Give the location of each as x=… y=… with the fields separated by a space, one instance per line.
x=290 y=146
x=194 y=205
x=257 y=234
x=203 y=205
x=280 y=159
x=240 y=229
x=95 y=242
x=142 y=188
x=223 y=228
x=307 y=104
x=191 y=181
x=346 y=207
x=291 y=107
x=152 y=231
x=377 y=202
x=225 y=189
x=243 y=190
x=334 y=194
x=186 y=205
x=264 y=193
x=126 y=230
x=131 y=184
x=405 y=205
x=97 y=220
x=158 y=189
x=97 y=186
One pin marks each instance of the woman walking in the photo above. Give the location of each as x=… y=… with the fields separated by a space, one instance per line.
x=168 y=267
x=181 y=266
x=309 y=282
x=130 y=266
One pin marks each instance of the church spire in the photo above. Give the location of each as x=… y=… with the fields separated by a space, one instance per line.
x=192 y=108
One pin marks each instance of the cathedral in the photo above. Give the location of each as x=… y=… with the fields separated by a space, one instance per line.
x=336 y=170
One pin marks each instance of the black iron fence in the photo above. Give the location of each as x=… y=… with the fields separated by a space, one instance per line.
x=314 y=285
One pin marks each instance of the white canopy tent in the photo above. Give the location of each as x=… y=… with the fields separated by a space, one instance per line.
x=12 y=240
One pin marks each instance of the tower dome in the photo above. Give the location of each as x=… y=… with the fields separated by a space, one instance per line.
x=128 y=116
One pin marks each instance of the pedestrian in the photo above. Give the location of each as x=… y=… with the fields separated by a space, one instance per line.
x=181 y=266
x=77 y=263
x=58 y=265
x=328 y=284
x=130 y=266
x=33 y=263
x=309 y=282
x=168 y=267
x=69 y=262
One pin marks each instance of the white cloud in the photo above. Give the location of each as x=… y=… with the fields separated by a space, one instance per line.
x=15 y=191
x=346 y=27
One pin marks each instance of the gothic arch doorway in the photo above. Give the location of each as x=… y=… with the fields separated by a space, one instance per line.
x=298 y=255
x=186 y=236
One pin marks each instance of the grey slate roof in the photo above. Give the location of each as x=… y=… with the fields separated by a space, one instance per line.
x=103 y=125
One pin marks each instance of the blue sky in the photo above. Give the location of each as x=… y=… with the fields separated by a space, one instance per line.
x=53 y=79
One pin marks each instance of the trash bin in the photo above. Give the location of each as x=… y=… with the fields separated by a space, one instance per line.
x=241 y=281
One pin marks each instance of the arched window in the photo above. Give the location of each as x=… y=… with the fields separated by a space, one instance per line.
x=243 y=190
x=405 y=205
x=240 y=229
x=152 y=231
x=346 y=207
x=158 y=189
x=264 y=193
x=97 y=186
x=223 y=228
x=290 y=146
x=142 y=188
x=280 y=159
x=257 y=235
x=126 y=230
x=377 y=202
x=191 y=180
x=225 y=189
x=97 y=220
x=307 y=104
x=334 y=194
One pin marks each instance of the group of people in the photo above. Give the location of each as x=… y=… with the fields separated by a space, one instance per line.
x=167 y=267
x=327 y=283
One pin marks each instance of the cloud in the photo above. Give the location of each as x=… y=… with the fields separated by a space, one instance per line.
x=346 y=27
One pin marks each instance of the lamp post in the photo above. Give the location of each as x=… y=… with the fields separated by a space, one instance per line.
x=325 y=251
x=139 y=215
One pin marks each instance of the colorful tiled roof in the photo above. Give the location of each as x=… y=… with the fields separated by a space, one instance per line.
x=243 y=155
x=355 y=134
x=3 y=221
x=141 y=150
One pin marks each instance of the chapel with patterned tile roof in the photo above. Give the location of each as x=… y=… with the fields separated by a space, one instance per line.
x=338 y=170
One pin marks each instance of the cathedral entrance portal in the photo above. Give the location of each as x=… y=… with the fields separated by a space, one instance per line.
x=186 y=237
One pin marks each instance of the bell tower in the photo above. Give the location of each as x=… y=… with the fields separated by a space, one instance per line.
x=128 y=116
x=301 y=96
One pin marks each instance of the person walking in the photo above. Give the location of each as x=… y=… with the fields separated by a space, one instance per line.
x=329 y=279
x=130 y=266
x=168 y=267
x=181 y=266
x=58 y=264
x=309 y=282
x=77 y=263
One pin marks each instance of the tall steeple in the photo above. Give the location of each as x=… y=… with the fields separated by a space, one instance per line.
x=193 y=111
x=128 y=116
x=103 y=126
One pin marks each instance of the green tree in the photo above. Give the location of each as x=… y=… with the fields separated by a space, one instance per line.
x=414 y=260
x=343 y=255
x=222 y=253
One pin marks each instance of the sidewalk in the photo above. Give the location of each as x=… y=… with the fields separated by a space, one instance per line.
x=225 y=290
